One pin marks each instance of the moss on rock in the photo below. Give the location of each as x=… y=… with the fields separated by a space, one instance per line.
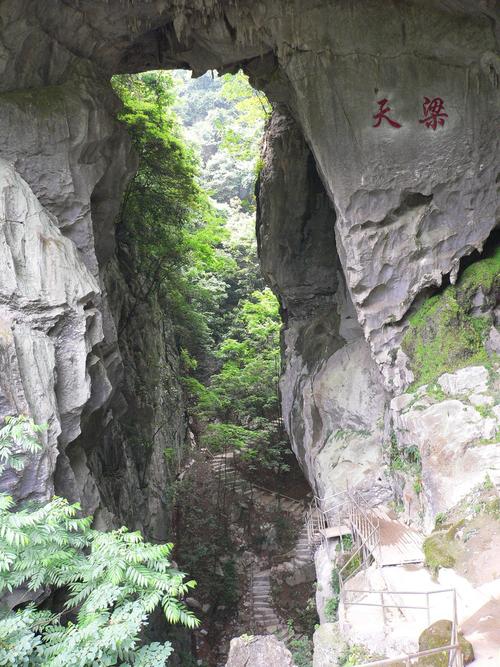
x=439 y=634
x=45 y=100
x=484 y=274
x=440 y=549
x=443 y=336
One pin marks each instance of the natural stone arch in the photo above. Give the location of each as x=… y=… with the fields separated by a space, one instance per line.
x=328 y=64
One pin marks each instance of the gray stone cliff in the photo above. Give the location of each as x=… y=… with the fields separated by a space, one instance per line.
x=358 y=218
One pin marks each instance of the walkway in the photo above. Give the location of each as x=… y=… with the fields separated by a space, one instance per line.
x=265 y=618
x=388 y=540
x=398 y=544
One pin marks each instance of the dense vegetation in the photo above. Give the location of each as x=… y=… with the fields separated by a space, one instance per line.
x=111 y=582
x=188 y=218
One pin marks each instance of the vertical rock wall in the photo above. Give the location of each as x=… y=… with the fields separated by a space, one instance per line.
x=332 y=392
x=406 y=200
x=109 y=393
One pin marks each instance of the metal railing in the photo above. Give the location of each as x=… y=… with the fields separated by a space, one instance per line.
x=231 y=476
x=350 y=509
x=365 y=528
x=455 y=657
x=385 y=594
x=346 y=509
x=329 y=512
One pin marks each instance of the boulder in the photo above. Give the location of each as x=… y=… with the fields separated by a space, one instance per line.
x=465 y=381
x=258 y=651
x=329 y=645
x=439 y=634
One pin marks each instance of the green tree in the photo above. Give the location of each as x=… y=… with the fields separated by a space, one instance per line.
x=252 y=109
x=240 y=408
x=112 y=581
x=170 y=235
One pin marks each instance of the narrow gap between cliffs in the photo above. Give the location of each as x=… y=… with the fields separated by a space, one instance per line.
x=186 y=244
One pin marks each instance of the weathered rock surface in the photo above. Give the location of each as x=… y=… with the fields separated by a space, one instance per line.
x=259 y=651
x=332 y=392
x=329 y=645
x=49 y=326
x=410 y=200
x=65 y=301
x=457 y=437
x=439 y=634
x=465 y=381
x=324 y=561
x=357 y=220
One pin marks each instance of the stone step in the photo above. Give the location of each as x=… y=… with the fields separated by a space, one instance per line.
x=270 y=619
x=267 y=621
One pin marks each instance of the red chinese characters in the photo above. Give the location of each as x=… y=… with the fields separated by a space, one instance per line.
x=382 y=114
x=433 y=110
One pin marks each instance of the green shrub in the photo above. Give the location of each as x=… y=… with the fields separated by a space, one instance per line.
x=302 y=651
x=331 y=608
x=335 y=581
x=353 y=655
x=113 y=581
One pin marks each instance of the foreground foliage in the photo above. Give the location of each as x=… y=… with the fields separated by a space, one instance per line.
x=112 y=582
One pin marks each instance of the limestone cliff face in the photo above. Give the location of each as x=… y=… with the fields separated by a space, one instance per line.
x=332 y=391
x=359 y=216
x=77 y=349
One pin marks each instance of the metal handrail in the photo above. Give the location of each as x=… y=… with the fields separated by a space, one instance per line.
x=455 y=658
x=343 y=507
x=342 y=581
x=407 y=658
x=332 y=495
x=275 y=493
x=384 y=605
x=227 y=470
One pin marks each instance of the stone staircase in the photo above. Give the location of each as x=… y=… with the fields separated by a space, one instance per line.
x=303 y=553
x=265 y=618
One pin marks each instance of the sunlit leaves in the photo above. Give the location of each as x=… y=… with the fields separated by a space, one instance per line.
x=113 y=581
x=18 y=437
x=252 y=110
